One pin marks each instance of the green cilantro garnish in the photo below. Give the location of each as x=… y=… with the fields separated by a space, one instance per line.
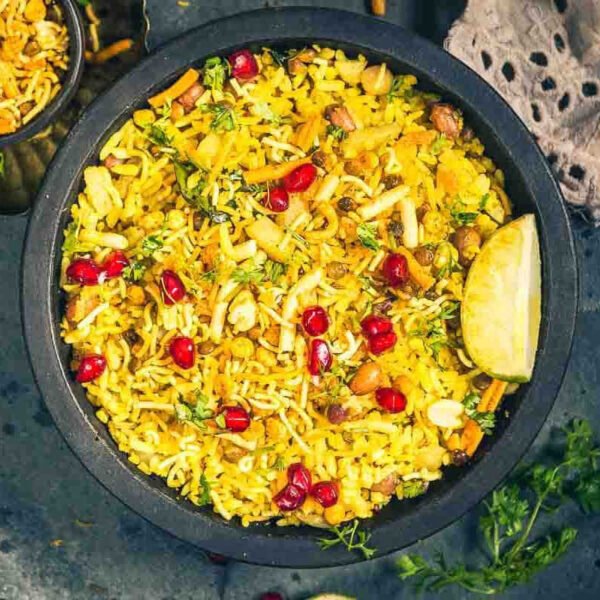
x=150 y=244
x=157 y=135
x=485 y=420
x=483 y=202
x=254 y=275
x=462 y=216
x=223 y=117
x=511 y=514
x=337 y=132
x=204 y=498
x=71 y=243
x=351 y=537
x=216 y=71
x=134 y=271
x=414 y=488
x=279 y=464
x=274 y=270
x=367 y=235
x=196 y=414
x=438 y=144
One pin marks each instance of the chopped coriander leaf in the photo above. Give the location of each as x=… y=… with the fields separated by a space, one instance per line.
x=471 y=401
x=158 y=135
x=279 y=464
x=210 y=276
x=254 y=275
x=134 y=271
x=414 y=488
x=438 y=144
x=72 y=243
x=183 y=169
x=254 y=188
x=223 y=117
x=279 y=58
x=216 y=71
x=274 y=270
x=448 y=310
x=204 y=497
x=337 y=132
x=351 y=537
x=462 y=216
x=150 y=244
x=483 y=202
x=485 y=420
x=401 y=88
x=367 y=235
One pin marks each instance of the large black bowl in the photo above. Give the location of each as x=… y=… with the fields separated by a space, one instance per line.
x=529 y=184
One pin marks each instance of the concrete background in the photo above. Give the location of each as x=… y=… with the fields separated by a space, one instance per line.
x=62 y=536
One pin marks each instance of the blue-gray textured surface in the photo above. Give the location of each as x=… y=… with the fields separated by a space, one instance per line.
x=108 y=552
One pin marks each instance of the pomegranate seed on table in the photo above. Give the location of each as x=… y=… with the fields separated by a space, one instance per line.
x=395 y=270
x=84 y=271
x=319 y=357
x=375 y=325
x=90 y=368
x=301 y=178
x=315 y=320
x=172 y=287
x=243 y=65
x=114 y=264
x=271 y=596
x=289 y=498
x=183 y=352
x=276 y=200
x=325 y=493
x=217 y=559
x=390 y=399
x=299 y=476
x=378 y=344
x=237 y=418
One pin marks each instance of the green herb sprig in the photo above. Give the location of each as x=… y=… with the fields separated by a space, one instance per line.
x=510 y=515
x=216 y=71
x=367 y=235
x=350 y=536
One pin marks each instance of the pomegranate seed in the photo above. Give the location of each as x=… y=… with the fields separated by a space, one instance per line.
x=299 y=476
x=90 y=368
x=272 y=596
x=390 y=399
x=276 y=200
x=395 y=270
x=325 y=493
x=300 y=179
x=236 y=418
x=172 y=287
x=243 y=65
x=319 y=357
x=289 y=498
x=315 y=320
x=375 y=325
x=378 y=344
x=183 y=352
x=83 y=271
x=217 y=559
x=114 y=264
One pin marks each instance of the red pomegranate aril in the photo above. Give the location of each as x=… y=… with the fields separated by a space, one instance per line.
x=375 y=325
x=90 y=368
x=84 y=271
x=272 y=596
x=319 y=357
x=114 y=264
x=395 y=270
x=217 y=559
x=243 y=65
x=183 y=352
x=325 y=493
x=378 y=344
x=300 y=179
x=299 y=476
x=390 y=399
x=276 y=200
x=315 y=320
x=289 y=498
x=172 y=287
x=237 y=418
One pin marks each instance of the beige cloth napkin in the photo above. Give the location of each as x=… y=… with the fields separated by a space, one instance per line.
x=543 y=57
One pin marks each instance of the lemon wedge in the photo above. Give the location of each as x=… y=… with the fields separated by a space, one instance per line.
x=501 y=308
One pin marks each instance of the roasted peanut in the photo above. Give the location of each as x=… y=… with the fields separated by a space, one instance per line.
x=367 y=379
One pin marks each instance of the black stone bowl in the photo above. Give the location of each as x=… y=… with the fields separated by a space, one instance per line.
x=529 y=184
x=70 y=81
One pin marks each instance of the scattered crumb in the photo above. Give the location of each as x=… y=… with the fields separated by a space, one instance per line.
x=56 y=543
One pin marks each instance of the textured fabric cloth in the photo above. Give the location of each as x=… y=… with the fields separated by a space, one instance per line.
x=543 y=57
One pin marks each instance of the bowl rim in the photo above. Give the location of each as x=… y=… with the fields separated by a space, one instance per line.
x=70 y=84
x=294 y=547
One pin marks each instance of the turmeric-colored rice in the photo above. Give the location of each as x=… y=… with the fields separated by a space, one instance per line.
x=181 y=186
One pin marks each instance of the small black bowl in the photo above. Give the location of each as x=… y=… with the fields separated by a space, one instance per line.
x=70 y=82
x=529 y=183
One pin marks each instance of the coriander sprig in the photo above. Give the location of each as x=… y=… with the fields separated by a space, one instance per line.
x=350 y=536
x=510 y=515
